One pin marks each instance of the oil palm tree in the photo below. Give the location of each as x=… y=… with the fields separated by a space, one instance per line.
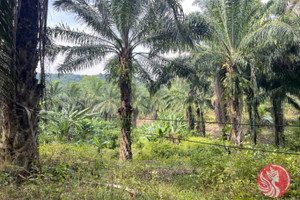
x=280 y=56
x=281 y=78
x=120 y=28
x=91 y=88
x=22 y=46
x=53 y=93
x=63 y=120
x=180 y=97
x=200 y=95
x=54 y=89
x=108 y=102
x=238 y=28
x=176 y=97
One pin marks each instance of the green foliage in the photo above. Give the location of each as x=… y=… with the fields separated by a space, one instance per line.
x=100 y=145
x=294 y=136
x=83 y=130
x=226 y=132
x=119 y=28
x=60 y=118
x=240 y=32
x=172 y=126
x=61 y=122
x=159 y=171
x=160 y=150
x=162 y=132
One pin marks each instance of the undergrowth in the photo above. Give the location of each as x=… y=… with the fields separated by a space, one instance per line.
x=159 y=170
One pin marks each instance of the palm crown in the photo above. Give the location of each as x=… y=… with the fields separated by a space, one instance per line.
x=119 y=28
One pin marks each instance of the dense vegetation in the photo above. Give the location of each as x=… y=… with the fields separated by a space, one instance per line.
x=159 y=170
x=81 y=151
x=80 y=111
x=196 y=126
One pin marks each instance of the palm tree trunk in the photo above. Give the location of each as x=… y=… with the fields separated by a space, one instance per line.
x=9 y=129
x=252 y=107
x=19 y=138
x=236 y=106
x=190 y=118
x=125 y=111
x=155 y=114
x=21 y=113
x=219 y=103
x=202 y=124
x=135 y=116
x=278 y=113
x=198 y=128
x=200 y=121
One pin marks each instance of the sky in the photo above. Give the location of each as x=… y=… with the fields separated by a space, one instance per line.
x=55 y=18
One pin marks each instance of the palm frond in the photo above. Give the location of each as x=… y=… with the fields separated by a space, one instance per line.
x=81 y=57
x=64 y=32
x=100 y=22
x=126 y=15
x=6 y=48
x=293 y=102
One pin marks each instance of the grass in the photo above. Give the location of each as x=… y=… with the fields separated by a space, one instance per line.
x=159 y=170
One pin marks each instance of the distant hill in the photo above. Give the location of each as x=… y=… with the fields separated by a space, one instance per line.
x=65 y=78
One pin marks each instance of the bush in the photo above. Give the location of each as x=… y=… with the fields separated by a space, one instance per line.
x=157 y=150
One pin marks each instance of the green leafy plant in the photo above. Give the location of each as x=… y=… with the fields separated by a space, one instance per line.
x=100 y=145
x=63 y=121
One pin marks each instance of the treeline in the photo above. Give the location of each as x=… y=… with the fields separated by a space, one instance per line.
x=66 y=78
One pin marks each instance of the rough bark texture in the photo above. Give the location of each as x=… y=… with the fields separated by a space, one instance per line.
x=155 y=114
x=235 y=101
x=135 y=116
x=203 y=129
x=236 y=109
x=219 y=103
x=190 y=118
x=198 y=128
x=252 y=107
x=21 y=113
x=278 y=116
x=125 y=111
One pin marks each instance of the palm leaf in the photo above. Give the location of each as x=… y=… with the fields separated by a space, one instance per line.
x=6 y=48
